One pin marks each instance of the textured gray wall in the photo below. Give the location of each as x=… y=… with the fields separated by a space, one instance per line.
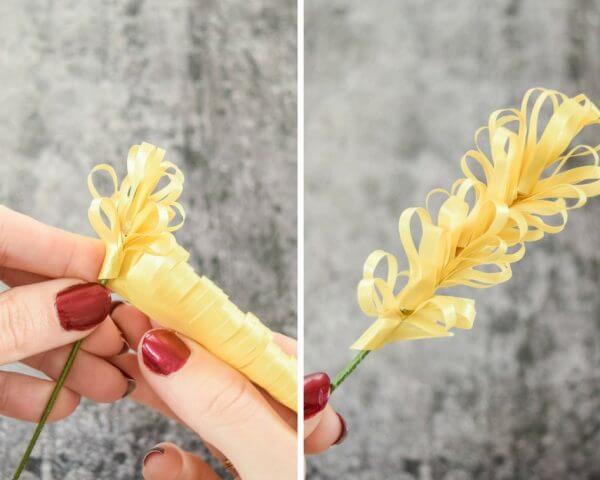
x=394 y=92
x=213 y=82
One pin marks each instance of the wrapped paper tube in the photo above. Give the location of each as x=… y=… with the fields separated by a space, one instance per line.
x=145 y=265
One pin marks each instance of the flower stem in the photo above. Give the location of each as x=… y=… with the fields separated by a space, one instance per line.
x=40 y=426
x=60 y=381
x=348 y=369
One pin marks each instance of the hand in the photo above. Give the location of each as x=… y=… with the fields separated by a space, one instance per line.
x=245 y=428
x=323 y=427
x=48 y=307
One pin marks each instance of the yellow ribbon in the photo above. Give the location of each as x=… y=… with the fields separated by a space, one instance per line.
x=145 y=265
x=524 y=180
x=138 y=218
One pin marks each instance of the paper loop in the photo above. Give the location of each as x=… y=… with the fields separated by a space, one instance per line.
x=136 y=217
x=523 y=190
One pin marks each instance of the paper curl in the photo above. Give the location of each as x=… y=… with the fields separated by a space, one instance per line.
x=145 y=265
x=518 y=191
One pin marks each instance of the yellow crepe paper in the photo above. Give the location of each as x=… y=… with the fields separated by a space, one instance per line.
x=145 y=265
x=526 y=186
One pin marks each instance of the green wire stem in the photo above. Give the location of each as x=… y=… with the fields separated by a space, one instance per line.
x=348 y=369
x=60 y=381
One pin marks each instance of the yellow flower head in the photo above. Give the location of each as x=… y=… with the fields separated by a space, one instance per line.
x=137 y=214
x=526 y=180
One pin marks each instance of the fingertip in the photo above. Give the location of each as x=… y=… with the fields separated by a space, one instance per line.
x=162 y=462
x=317 y=388
x=162 y=352
x=105 y=341
x=331 y=430
x=132 y=323
x=67 y=403
x=344 y=432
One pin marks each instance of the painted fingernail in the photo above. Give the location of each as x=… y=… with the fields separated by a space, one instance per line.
x=82 y=306
x=316 y=393
x=344 y=431
x=131 y=383
x=164 y=352
x=153 y=452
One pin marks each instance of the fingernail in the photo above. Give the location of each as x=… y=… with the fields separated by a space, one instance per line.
x=344 y=431
x=153 y=452
x=114 y=305
x=316 y=393
x=131 y=383
x=82 y=306
x=163 y=352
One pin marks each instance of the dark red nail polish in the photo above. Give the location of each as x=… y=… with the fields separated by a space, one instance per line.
x=316 y=393
x=82 y=306
x=152 y=452
x=344 y=431
x=164 y=352
x=131 y=383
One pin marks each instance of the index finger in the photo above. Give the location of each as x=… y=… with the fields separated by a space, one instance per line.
x=29 y=245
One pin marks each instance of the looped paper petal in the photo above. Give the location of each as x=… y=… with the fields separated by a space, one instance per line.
x=515 y=190
x=135 y=217
x=146 y=266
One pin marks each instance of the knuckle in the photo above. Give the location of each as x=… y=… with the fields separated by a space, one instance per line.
x=232 y=403
x=13 y=327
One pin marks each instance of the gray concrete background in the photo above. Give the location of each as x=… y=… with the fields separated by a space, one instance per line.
x=394 y=92
x=213 y=82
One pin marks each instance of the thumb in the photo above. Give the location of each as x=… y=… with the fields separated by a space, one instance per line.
x=40 y=317
x=220 y=404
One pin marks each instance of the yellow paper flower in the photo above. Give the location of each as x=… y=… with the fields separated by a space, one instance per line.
x=145 y=265
x=524 y=181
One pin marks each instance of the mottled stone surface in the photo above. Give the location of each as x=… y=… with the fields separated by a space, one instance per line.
x=394 y=93
x=213 y=82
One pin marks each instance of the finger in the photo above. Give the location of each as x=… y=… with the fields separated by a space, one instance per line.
x=288 y=416
x=220 y=404
x=143 y=393
x=16 y=278
x=134 y=324
x=317 y=388
x=323 y=427
x=24 y=397
x=288 y=346
x=106 y=340
x=166 y=461
x=330 y=429
x=40 y=317
x=90 y=376
x=32 y=246
x=131 y=322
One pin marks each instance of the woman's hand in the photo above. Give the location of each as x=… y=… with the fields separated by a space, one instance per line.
x=52 y=303
x=245 y=428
